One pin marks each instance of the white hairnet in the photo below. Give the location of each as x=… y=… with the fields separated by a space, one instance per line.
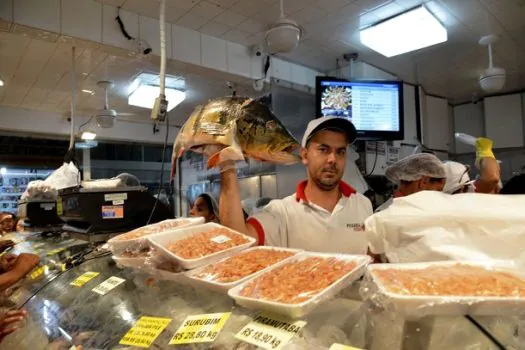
x=414 y=167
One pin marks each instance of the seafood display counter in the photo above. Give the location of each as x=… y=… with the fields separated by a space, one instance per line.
x=100 y=304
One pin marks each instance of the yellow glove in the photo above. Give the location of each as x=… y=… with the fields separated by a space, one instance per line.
x=483 y=149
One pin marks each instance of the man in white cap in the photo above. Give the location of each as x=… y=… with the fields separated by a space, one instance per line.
x=325 y=214
x=488 y=181
x=458 y=179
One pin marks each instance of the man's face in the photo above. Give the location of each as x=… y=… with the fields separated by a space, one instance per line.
x=428 y=184
x=325 y=158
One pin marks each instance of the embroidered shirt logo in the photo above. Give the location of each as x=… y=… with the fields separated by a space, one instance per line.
x=356 y=227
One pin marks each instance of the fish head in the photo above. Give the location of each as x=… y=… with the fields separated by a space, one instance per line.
x=264 y=137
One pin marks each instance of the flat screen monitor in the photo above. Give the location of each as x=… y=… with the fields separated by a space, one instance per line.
x=374 y=107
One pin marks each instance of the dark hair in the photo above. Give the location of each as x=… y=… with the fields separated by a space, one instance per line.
x=515 y=185
x=206 y=197
x=430 y=179
x=4 y=214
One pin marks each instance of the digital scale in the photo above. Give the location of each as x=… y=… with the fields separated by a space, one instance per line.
x=98 y=214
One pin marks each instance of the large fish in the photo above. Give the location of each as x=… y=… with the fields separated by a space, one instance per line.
x=233 y=128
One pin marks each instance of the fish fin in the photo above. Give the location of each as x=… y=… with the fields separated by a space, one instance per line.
x=265 y=100
x=229 y=153
x=213 y=160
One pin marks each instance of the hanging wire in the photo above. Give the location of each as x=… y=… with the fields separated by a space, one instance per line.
x=73 y=89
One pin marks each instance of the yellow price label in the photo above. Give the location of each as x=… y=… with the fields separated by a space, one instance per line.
x=56 y=251
x=83 y=279
x=336 y=346
x=60 y=210
x=145 y=331
x=39 y=272
x=269 y=332
x=62 y=267
x=200 y=328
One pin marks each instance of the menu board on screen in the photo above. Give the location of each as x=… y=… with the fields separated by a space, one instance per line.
x=374 y=107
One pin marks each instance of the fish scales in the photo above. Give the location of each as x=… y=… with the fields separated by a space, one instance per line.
x=233 y=128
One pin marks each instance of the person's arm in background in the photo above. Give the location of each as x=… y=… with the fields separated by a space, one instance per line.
x=22 y=266
x=490 y=173
x=230 y=207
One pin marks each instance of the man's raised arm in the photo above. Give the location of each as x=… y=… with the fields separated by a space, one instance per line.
x=230 y=208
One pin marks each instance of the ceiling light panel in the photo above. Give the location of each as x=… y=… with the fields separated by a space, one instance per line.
x=144 y=96
x=410 y=31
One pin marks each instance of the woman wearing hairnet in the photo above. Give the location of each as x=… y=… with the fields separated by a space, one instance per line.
x=415 y=173
x=205 y=206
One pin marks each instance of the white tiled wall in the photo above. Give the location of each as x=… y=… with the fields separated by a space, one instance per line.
x=471 y=119
x=44 y=14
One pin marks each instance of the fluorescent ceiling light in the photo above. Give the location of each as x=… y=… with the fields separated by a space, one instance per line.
x=86 y=144
x=144 y=96
x=410 y=31
x=88 y=135
x=3 y=170
x=1 y=82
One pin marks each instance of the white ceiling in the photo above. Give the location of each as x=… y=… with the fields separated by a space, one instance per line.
x=36 y=68
x=450 y=69
x=36 y=74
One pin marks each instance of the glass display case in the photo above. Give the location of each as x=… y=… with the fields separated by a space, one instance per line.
x=64 y=314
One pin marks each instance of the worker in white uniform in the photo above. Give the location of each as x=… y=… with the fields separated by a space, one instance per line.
x=325 y=214
x=458 y=179
x=488 y=181
x=415 y=173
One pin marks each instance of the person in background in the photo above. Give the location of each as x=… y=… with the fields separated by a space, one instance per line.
x=415 y=173
x=205 y=206
x=324 y=214
x=7 y=222
x=516 y=185
x=13 y=268
x=490 y=174
x=262 y=202
x=10 y=321
x=458 y=179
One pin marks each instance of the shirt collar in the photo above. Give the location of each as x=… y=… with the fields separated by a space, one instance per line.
x=346 y=190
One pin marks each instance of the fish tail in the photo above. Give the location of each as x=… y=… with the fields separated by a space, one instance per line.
x=177 y=153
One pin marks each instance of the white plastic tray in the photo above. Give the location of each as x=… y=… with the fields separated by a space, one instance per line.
x=301 y=309
x=134 y=263
x=163 y=240
x=446 y=305
x=224 y=287
x=117 y=246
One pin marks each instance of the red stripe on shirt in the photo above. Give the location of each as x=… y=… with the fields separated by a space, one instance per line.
x=258 y=227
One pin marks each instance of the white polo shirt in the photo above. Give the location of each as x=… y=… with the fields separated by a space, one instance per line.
x=294 y=222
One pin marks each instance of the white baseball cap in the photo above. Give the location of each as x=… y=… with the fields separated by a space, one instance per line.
x=457 y=176
x=329 y=123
